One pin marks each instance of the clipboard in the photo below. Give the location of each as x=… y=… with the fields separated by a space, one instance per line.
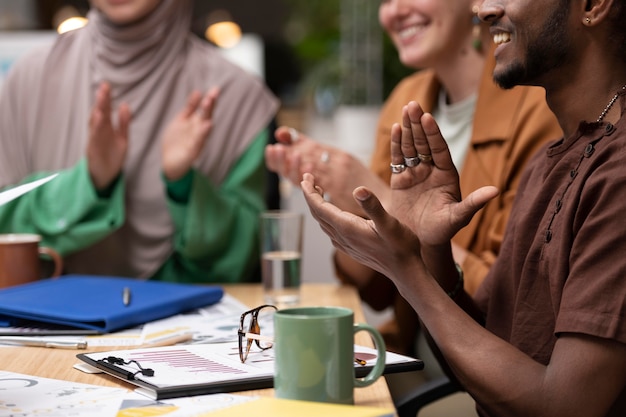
x=97 y=303
x=188 y=370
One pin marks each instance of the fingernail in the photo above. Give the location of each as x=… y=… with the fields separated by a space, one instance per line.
x=361 y=193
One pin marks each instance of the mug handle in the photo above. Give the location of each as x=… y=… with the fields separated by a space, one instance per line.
x=378 y=369
x=56 y=259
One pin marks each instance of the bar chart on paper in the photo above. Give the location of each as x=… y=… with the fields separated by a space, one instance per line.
x=184 y=360
x=185 y=370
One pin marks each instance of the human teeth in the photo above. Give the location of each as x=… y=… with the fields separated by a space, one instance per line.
x=500 y=38
x=408 y=32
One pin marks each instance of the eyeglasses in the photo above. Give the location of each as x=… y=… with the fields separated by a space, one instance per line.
x=250 y=332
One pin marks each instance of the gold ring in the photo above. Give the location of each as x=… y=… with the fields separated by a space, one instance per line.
x=425 y=157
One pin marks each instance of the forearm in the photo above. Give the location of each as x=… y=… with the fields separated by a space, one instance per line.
x=459 y=338
x=450 y=275
x=475 y=267
x=504 y=380
x=441 y=264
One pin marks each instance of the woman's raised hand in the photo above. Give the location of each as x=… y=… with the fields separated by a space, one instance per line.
x=186 y=135
x=336 y=171
x=108 y=144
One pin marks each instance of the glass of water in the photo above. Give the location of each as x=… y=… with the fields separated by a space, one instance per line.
x=281 y=253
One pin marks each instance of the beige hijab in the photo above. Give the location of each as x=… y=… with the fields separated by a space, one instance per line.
x=153 y=65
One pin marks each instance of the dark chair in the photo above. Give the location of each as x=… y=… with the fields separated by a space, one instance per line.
x=410 y=404
x=410 y=401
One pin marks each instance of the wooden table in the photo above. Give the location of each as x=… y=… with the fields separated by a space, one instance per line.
x=57 y=363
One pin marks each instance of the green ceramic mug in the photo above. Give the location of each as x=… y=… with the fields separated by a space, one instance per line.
x=315 y=354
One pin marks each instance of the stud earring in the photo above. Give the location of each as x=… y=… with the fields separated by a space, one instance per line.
x=477 y=41
x=587 y=20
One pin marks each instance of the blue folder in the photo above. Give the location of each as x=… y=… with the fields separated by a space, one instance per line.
x=97 y=302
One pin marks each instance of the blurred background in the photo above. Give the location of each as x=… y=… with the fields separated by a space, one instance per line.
x=320 y=54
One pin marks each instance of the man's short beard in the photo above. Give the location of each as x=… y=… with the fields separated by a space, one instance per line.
x=547 y=51
x=510 y=77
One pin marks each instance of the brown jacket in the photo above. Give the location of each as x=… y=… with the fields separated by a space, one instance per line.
x=509 y=126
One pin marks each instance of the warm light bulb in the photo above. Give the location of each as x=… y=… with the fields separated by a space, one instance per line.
x=71 y=24
x=224 y=34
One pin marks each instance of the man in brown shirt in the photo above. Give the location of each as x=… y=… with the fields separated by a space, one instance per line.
x=546 y=332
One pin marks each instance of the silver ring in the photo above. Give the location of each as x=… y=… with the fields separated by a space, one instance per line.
x=325 y=157
x=397 y=168
x=412 y=161
x=425 y=157
x=294 y=135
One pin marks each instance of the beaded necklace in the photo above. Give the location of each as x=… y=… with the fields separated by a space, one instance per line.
x=608 y=106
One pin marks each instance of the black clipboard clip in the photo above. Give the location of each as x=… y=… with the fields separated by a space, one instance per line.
x=112 y=364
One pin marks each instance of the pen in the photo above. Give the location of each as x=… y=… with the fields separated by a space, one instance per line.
x=126 y=296
x=44 y=342
x=169 y=341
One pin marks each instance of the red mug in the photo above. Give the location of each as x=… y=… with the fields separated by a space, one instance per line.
x=20 y=261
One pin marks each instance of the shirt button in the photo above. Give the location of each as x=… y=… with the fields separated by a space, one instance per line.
x=589 y=150
x=548 y=237
x=558 y=204
x=573 y=173
x=61 y=223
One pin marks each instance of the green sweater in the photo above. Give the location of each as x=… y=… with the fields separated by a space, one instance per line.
x=216 y=228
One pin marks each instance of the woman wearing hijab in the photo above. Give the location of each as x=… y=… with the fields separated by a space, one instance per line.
x=158 y=141
x=491 y=134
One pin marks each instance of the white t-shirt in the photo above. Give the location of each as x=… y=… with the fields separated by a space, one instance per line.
x=455 y=122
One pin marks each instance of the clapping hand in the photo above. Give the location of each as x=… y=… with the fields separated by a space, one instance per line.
x=336 y=171
x=382 y=243
x=425 y=184
x=426 y=201
x=185 y=136
x=292 y=150
x=108 y=145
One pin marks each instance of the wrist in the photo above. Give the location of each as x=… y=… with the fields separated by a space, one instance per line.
x=107 y=190
x=179 y=190
x=458 y=288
